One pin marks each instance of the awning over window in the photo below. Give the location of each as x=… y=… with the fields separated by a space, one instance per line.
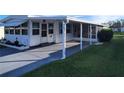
x=14 y=22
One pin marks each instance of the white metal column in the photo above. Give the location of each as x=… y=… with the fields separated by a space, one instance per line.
x=29 y=32
x=90 y=34
x=81 y=36
x=63 y=40
x=96 y=33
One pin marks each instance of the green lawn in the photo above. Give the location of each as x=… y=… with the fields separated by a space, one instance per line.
x=105 y=60
x=118 y=33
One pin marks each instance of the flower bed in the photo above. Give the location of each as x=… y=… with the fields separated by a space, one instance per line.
x=8 y=43
x=16 y=47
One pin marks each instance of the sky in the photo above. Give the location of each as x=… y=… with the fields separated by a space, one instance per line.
x=93 y=18
x=101 y=18
x=2 y=16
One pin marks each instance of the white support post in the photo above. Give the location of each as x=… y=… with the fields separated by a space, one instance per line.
x=88 y=31
x=96 y=33
x=81 y=36
x=29 y=31
x=63 y=40
x=90 y=34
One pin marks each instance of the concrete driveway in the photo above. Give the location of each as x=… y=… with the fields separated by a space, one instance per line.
x=15 y=63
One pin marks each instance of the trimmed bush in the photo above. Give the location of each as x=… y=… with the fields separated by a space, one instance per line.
x=16 y=42
x=105 y=35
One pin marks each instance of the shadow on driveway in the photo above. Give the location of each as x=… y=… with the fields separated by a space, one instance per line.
x=32 y=58
x=38 y=63
x=8 y=51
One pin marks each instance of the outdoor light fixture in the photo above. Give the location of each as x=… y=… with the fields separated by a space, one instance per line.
x=44 y=20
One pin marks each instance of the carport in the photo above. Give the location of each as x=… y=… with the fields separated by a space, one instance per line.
x=92 y=29
x=35 y=30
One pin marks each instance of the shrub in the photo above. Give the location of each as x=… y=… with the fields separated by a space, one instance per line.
x=16 y=42
x=105 y=35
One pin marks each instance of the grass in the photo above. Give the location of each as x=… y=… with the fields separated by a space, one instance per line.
x=96 y=61
x=118 y=33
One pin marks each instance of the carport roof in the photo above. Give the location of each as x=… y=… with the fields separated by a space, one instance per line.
x=82 y=21
x=69 y=18
x=15 y=20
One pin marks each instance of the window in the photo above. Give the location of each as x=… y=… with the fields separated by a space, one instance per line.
x=93 y=36
x=6 y=31
x=24 y=31
x=94 y=30
x=44 y=30
x=11 y=31
x=50 y=28
x=25 y=24
x=60 y=28
x=17 y=31
x=44 y=26
x=35 y=28
x=68 y=28
x=35 y=32
x=17 y=26
x=50 y=31
x=36 y=25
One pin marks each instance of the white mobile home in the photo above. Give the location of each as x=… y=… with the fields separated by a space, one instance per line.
x=35 y=30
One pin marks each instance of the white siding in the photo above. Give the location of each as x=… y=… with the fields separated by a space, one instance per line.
x=57 y=36
x=117 y=30
x=37 y=39
x=23 y=39
x=34 y=40
x=69 y=36
x=122 y=29
x=114 y=29
x=1 y=32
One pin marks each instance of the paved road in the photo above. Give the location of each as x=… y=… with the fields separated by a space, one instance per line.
x=16 y=63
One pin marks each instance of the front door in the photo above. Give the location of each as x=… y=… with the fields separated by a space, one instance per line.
x=44 y=33
x=47 y=35
x=50 y=32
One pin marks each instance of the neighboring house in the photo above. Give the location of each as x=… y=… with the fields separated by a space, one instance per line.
x=116 y=29
x=35 y=30
x=117 y=26
x=1 y=32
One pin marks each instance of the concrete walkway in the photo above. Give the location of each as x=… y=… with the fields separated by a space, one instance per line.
x=16 y=63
